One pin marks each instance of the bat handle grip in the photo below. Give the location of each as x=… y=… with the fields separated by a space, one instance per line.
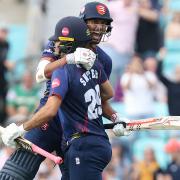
x=38 y=150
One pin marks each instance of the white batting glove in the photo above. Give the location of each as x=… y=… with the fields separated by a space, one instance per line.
x=90 y=61
x=10 y=133
x=83 y=56
x=119 y=129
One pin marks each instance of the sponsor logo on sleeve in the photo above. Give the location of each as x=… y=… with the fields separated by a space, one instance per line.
x=45 y=126
x=55 y=83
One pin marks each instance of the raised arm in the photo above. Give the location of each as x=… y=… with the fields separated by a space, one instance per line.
x=160 y=75
x=48 y=64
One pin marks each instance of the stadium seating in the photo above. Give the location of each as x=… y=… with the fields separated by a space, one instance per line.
x=18 y=40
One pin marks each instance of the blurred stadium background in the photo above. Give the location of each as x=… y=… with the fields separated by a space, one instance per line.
x=142 y=155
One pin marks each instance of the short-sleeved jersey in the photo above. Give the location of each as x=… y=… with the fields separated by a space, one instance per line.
x=81 y=110
x=105 y=60
x=102 y=57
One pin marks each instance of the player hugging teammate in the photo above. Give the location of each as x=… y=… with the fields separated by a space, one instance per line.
x=75 y=100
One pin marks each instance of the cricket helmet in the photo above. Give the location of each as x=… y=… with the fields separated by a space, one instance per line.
x=72 y=32
x=95 y=10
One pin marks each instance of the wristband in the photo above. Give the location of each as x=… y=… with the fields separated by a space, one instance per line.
x=114 y=117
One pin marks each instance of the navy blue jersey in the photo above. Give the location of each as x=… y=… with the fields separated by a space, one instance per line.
x=79 y=90
x=103 y=58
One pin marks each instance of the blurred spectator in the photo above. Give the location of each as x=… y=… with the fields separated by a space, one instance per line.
x=22 y=99
x=148 y=40
x=120 y=45
x=161 y=175
x=36 y=27
x=148 y=166
x=4 y=66
x=138 y=86
x=150 y=65
x=119 y=165
x=173 y=27
x=173 y=89
x=47 y=171
x=173 y=148
x=110 y=173
x=134 y=171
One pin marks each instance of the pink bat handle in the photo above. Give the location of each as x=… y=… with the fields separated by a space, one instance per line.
x=38 y=150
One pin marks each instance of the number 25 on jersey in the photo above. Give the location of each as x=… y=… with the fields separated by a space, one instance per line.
x=94 y=108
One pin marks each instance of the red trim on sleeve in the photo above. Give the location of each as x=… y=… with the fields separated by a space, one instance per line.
x=104 y=81
x=54 y=94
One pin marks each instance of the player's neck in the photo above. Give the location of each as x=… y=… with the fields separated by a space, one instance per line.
x=92 y=46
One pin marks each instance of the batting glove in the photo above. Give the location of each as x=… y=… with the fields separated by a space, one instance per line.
x=83 y=56
x=10 y=133
x=119 y=129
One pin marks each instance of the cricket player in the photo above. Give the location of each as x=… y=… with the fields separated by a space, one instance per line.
x=75 y=96
x=68 y=43
x=49 y=136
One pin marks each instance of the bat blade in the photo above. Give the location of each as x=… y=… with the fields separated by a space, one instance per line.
x=157 y=123
x=166 y=123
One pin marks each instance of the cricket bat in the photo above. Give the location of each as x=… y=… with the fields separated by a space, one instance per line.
x=156 y=123
x=24 y=143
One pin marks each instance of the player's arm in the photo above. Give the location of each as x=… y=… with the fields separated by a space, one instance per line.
x=106 y=91
x=83 y=56
x=58 y=91
x=109 y=113
x=106 y=94
x=48 y=62
x=45 y=114
x=59 y=87
x=46 y=66
x=112 y=115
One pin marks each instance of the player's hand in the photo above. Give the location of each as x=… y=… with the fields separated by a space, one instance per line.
x=119 y=129
x=87 y=57
x=83 y=56
x=10 y=133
